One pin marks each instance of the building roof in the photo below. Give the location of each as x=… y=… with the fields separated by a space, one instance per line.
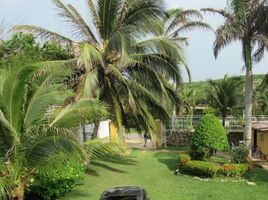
x=260 y=126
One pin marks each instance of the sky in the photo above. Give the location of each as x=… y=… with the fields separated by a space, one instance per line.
x=199 y=53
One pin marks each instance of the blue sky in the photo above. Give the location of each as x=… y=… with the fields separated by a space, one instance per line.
x=199 y=54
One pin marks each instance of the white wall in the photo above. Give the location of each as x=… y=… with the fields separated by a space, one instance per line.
x=104 y=129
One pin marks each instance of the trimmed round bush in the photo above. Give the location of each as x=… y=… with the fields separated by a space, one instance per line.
x=210 y=134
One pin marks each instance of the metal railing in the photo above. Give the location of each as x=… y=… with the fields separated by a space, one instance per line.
x=189 y=123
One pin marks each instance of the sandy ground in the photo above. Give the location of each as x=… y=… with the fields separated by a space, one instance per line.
x=137 y=141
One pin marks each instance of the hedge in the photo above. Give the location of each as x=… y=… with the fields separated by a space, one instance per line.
x=200 y=168
x=209 y=169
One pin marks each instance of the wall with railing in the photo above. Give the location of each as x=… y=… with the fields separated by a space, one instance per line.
x=189 y=123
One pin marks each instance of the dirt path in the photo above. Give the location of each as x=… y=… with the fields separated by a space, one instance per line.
x=136 y=141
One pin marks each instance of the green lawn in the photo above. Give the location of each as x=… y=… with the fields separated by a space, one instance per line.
x=154 y=170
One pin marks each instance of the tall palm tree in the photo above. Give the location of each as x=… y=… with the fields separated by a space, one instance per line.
x=128 y=66
x=224 y=95
x=244 y=22
x=37 y=123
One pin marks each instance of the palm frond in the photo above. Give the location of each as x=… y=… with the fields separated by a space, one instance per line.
x=227 y=33
x=135 y=15
x=90 y=57
x=8 y=136
x=99 y=149
x=43 y=33
x=80 y=28
x=84 y=111
x=107 y=13
x=50 y=149
x=13 y=94
x=83 y=25
x=189 y=26
x=223 y=13
x=89 y=85
x=93 y=13
x=262 y=42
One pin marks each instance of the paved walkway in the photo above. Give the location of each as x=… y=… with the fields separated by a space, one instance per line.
x=136 y=141
x=261 y=163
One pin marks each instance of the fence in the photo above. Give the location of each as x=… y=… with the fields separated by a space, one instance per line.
x=189 y=123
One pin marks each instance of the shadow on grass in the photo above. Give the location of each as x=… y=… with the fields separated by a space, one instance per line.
x=106 y=166
x=92 y=172
x=257 y=175
x=171 y=163
x=77 y=194
x=121 y=161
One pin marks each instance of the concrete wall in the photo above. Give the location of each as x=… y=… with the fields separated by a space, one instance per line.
x=104 y=129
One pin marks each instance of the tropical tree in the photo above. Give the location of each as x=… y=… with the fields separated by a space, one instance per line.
x=245 y=21
x=224 y=95
x=128 y=65
x=37 y=123
x=25 y=49
x=187 y=100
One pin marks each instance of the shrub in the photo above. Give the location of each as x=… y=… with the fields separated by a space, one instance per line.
x=234 y=170
x=183 y=159
x=54 y=183
x=210 y=134
x=200 y=168
x=209 y=111
x=197 y=154
x=240 y=154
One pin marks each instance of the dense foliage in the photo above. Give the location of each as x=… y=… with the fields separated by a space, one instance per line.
x=210 y=134
x=128 y=64
x=225 y=95
x=26 y=49
x=37 y=121
x=240 y=154
x=52 y=184
x=245 y=21
x=197 y=154
x=200 y=168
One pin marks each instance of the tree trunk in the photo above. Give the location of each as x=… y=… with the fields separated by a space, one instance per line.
x=248 y=106
x=223 y=116
x=211 y=152
x=248 y=94
x=84 y=134
x=18 y=192
x=95 y=130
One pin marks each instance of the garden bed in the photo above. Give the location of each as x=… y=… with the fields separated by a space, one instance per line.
x=211 y=169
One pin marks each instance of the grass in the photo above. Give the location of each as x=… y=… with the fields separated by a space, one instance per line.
x=154 y=170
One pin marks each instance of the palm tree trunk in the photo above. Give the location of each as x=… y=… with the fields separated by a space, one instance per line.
x=84 y=134
x=18 y=192
x=248 y=95
x=223 y=117
x=223 y=121
x=95 y=130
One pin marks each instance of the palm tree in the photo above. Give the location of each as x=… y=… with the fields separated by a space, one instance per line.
x=187 y=101
x=224 y=95
x=37 y=123
x=128 y=66
x=244 y=22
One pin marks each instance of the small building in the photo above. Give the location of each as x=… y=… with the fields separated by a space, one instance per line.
x=260 y=137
